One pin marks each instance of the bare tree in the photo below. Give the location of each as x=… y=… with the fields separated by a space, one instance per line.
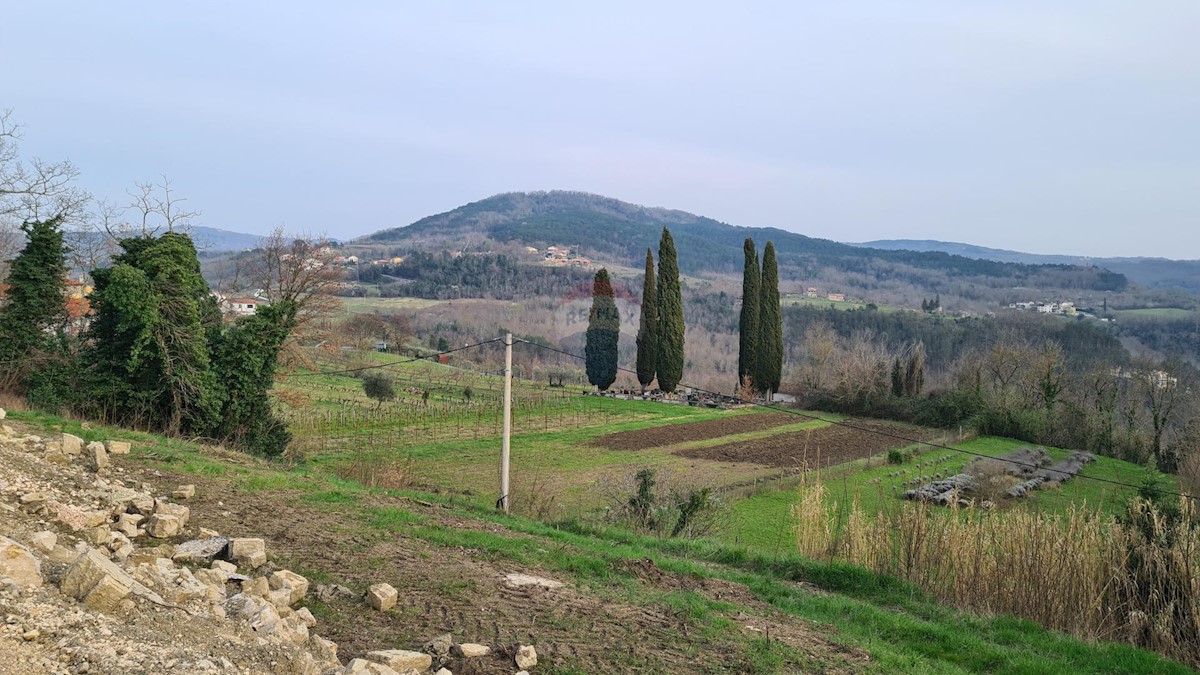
x=32 y=189
x=299 y=271
x=153 y=208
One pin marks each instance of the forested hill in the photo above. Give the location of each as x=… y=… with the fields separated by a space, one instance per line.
x=610 y=229
x=1148 y=272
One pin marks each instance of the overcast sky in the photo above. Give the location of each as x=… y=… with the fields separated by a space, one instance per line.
x=1037 y=126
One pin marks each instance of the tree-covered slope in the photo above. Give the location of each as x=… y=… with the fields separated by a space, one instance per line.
x=609 y=228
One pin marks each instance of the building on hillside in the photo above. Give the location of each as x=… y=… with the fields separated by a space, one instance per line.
x=810 y=292
x=836 y=297
x=244 y=306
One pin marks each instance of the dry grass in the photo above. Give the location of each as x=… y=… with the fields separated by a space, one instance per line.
x=376 y=473
x=1083 y=574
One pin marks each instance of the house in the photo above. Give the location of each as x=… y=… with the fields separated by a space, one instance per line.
x=243 y=306
x=810 y=292
x=836 y=297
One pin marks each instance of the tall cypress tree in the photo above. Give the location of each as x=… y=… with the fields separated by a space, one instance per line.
x=36 y=304
x=748 y=330
x=603 y=333
x=647 y=336
x=670 y=316
x=770 y=343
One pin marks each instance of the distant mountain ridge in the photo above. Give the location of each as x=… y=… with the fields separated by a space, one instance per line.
x=1149 y=272
x=609 y=228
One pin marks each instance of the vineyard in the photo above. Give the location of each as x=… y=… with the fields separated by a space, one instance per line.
x=330 y=413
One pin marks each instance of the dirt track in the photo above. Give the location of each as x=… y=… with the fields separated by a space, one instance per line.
x=825 y=446
x=656 y=437
x=462 y=591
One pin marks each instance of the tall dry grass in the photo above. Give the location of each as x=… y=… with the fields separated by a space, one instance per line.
x=1092 y=576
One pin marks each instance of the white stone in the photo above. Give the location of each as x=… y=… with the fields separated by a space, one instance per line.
x=365 y=667
x=294 y=585
x=516 y=580
x=382 y=597
x=401 y=659
x=118 y=447
x=183 y=513
x=97 y=582
x=19 y=565
x=526 y=657
x=471 y=650
x=44 y=541
x=250 y=552
x=184 y=492
x=162 y=526
x=71 y=444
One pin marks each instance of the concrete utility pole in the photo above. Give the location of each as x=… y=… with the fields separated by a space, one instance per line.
x=505 y=443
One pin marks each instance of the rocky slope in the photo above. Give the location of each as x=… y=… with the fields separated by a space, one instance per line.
x=101 y=573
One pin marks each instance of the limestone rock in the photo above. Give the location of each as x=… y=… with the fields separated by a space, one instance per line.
x=382 y=597
x=306 y=616
x=98 y=536
x=44 y=541
x=401 y=659
x=471 y=650
x=248 y=552
x=184 y=492
x=163 y=525
x=365 y=667
x=183 y=513
x=118 y=448
x=440 y=645
x=142 y=504
x=446 y=671
x=325 y=650
x=3 y=414
x=71 y=445
x=97 y=582
x=526 y=657
x=227 y=567
x=97 y=456
x=19 y=565
x=127 y=524
x=200 y=550
x=517 y=580
x=293 y=586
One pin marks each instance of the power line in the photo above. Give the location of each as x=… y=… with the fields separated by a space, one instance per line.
x=397 y=363
x=886 y=434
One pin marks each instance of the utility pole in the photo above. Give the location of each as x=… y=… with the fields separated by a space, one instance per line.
x=506 y=439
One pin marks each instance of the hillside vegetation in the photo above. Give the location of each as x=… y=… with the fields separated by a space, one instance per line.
x=621 y=231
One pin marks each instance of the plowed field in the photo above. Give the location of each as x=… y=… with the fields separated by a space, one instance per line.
x=825 y=446
x=641 y=439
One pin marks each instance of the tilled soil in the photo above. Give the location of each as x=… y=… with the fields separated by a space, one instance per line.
x=462 y=591
x=642 y=439
x=812 y=449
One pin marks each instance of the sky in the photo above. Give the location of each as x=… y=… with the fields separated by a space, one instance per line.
x=1047 y=127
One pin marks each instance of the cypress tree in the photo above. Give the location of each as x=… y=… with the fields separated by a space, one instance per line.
x=748 y=329
x=36 y=304
x=603 y=333
x=647 y=336
x=770 y=343
x=670 y=316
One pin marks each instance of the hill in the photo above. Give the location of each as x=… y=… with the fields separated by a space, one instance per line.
x=1148 y=272
x=613 y=230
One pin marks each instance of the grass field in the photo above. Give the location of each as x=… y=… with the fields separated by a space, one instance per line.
x=895 y=625
x=1156 y=313
x=762 y=520
x=367 y=305
x=798 y=300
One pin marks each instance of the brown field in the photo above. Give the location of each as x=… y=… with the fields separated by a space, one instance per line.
x=816 y=448
x=657 y=437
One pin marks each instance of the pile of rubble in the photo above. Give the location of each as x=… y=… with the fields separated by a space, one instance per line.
x=100 y=574
x=1033 y=467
